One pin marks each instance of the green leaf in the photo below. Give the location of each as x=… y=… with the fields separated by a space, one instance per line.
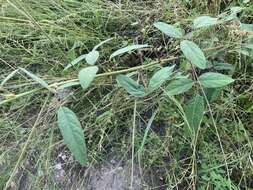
x=178 y=86
x=131 y=86
x=92 y=57
x=227 y=18
x=159 y=78
x=37 y=79
x=87 y=75
x=194 y=112
x=169 y=30
x=128 y=49
x=236 y=10
x=243 y=52
x=67 y=85
x=9 y=76
x=204 y=21
x=102 y=43
x=212 y=94
x=75 y=61
x=72 y=133
x=248 y=46
x=223 y=66
x=247 y=27
x=214 y=80
x=193 y=53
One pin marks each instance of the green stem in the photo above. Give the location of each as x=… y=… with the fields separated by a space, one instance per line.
x=141 y=67
x=20 y=95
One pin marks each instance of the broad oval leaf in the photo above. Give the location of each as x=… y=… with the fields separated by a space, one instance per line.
x=87 y=75
x=204 y=21
x=193 y=53
x=128 y=49
x=178 y=86
x=92 y=57
x=194 y=112
x=214 y=80
x=72 y=133
x=75 y=61
x=37 y=79
x=169 y=30
x=131 y=86
x=159 y=78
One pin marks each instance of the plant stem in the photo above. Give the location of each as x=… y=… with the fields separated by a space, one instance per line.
x=215 y=126
x=133 y=140
x=97 y=76
x=140 y=67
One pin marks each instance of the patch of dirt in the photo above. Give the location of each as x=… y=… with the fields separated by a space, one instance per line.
x=109 y=176
x=114 y=176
